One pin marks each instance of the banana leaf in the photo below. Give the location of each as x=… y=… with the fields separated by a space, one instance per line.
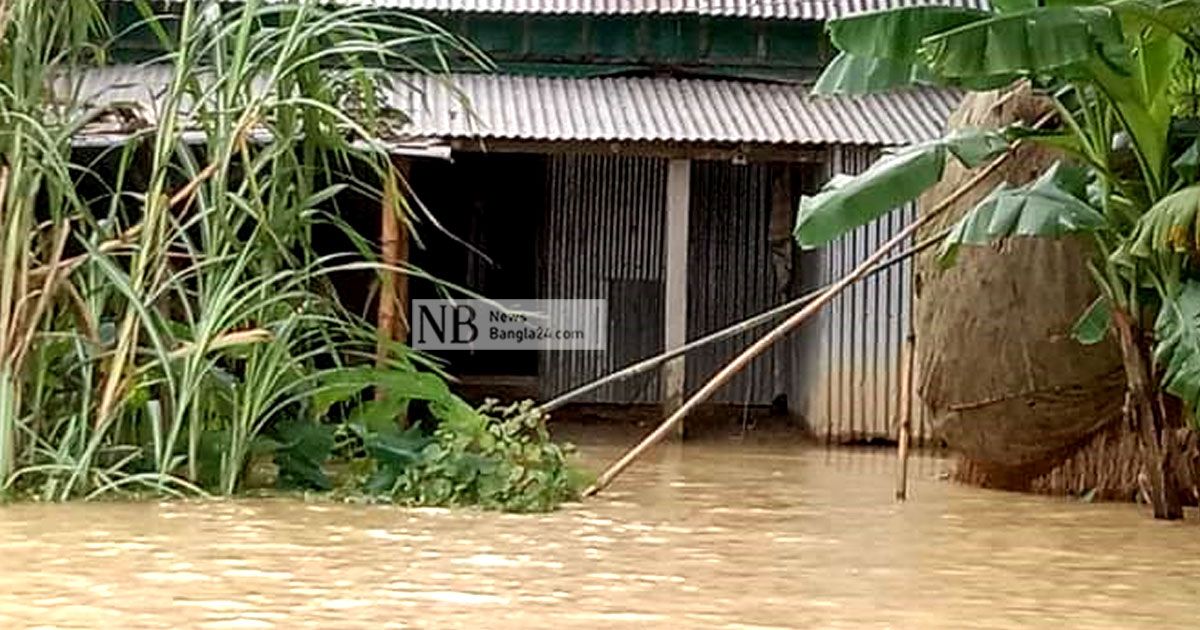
x=851 y=74
x=1050 y=206
x=1171 y=225
x=897 y=34
x=1093 y=325
x=1187 y=165
x=1126 y=48
x=848 y=202
x=1065 y=41
x=879 y=49
x=1177 y=350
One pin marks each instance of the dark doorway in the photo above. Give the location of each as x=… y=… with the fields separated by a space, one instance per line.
x=490 y=210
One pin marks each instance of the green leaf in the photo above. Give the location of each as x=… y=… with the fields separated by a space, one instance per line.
x=1063 y=40
x=382 y=481
x=414 y=385
x=485 y=460
x=851 y=74
x=212 y=449
x=397 y=449
x=848 y=202
x=1177 y=17
x=1187 y=165
x=879 y=49
x=1093 y=325
x=897 y=34
x=340 y=386
x=1169 y=225
x=1177 y=347
x=973 y=147
x=303 y=449
x=1080 y=43
x=1013 y=6
x=345 y=384
x=1050 y=206
x=1065 y=141
x=378 y=415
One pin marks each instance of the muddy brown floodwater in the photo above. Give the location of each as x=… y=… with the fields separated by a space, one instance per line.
x=719 y=536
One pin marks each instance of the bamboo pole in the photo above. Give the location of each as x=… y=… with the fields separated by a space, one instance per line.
x=906 y=412
x=389 y=254
x=391 y=321
x=780 y=331
x=402 y=253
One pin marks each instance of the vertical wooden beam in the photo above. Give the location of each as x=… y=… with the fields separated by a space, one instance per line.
x=404 y=190
x=779 y=236
x=393 y=251
x=391 y=314
x=679 y=175
x=907 y=392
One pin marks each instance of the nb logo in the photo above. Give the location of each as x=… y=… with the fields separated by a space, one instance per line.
x=438 y=319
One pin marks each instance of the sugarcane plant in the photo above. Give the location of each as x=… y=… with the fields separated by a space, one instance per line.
x=165 y=316
x=1119 y=77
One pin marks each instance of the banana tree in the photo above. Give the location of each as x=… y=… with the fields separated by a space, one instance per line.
x=1129 y=177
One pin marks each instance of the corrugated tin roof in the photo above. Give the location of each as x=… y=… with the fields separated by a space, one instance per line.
x=617 y=109
x=673 y=110
x=782 y=9
x=770 y=9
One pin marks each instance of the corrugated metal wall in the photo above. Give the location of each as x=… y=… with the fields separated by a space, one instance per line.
x=603 y=238
x=853 y=352
x=730 y=276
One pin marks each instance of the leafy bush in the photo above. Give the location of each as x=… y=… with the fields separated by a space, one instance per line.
x=492 y=457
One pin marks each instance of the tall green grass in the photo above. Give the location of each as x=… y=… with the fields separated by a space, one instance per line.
x=149 y=336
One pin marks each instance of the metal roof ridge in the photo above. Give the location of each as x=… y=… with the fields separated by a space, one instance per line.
x=612 y=108
x=751 y=9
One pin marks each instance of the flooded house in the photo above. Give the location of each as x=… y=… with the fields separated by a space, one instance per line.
x=652 y=153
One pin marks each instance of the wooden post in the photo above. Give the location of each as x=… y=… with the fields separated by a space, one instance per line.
x=402 y=299
x=391 y=318
x=779 y=236
x=679 y=174
x=393 y=252
x=908 y=366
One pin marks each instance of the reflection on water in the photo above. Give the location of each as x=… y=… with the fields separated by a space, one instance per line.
x=718 y=536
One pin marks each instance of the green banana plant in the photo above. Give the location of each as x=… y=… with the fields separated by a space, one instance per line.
x=1128 y=179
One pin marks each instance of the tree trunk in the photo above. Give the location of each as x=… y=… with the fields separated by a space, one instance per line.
x=1148 y=415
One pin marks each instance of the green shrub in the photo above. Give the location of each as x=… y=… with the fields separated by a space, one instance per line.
x=492 y=457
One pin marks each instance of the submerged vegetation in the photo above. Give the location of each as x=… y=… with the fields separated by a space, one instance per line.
x=165 y=316
x=493 y=457
x=1120 y=79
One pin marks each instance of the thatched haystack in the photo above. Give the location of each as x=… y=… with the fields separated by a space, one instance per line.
x=1007 y=386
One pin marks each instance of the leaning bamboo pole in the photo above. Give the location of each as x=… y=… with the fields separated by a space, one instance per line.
x=779 y=332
